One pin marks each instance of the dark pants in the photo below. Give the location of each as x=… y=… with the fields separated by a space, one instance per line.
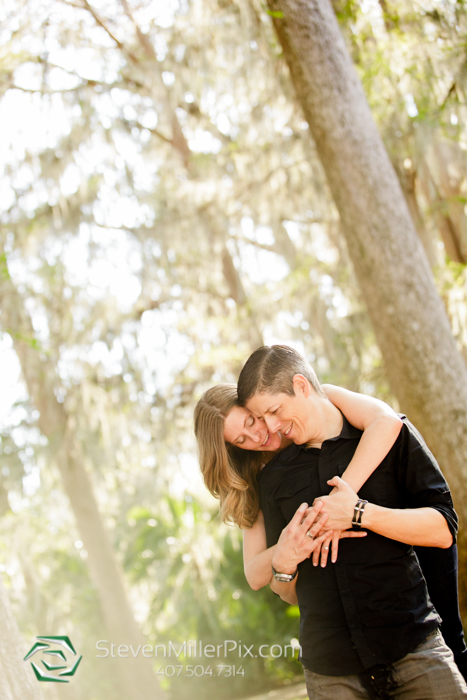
x=439 y=568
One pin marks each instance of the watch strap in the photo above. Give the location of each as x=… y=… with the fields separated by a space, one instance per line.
x=284 y=578
x=358 y=512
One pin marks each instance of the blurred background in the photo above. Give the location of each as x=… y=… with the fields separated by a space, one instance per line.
x=164 y=213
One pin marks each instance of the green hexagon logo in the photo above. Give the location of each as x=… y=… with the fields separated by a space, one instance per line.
x=58 y=672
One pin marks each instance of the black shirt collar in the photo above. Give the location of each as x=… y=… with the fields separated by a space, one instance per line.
x=348 y=432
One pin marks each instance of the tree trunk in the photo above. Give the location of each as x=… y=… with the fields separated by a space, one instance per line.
x=137 y=678
x=425 y=369
x=17 y=680
x=407 y=178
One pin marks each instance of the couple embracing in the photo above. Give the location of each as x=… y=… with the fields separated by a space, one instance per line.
x=345 y=512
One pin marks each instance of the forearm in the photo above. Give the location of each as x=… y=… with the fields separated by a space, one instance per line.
x=425 y=527
x=287 y=591
x=293 y=547
x=422 y=526
x=258 y=571
x=374 y=445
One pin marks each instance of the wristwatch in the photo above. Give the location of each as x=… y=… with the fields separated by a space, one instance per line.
x=283 y=578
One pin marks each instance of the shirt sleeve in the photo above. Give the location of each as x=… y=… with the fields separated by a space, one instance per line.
x=421 y=478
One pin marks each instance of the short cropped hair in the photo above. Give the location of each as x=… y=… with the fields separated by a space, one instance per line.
x=270 y=370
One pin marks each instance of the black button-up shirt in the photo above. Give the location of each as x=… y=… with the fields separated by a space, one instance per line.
x=371 y=606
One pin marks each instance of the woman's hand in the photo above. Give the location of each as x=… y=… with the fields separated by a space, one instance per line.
x=300 y=538
x=331 y=544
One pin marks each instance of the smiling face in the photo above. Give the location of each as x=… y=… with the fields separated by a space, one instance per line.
x=243 y=429
x=298 y=417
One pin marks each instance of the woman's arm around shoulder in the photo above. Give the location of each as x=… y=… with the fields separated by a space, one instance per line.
x=381 y=427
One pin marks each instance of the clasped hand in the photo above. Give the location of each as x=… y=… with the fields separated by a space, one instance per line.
x=336 y=514
x=314 y=530
x=338 y=506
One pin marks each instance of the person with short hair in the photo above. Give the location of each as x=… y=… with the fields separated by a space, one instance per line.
x=367 y=625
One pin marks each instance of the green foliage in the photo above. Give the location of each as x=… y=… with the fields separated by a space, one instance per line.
x=202 y=594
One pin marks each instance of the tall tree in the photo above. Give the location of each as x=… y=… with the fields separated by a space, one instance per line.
x=425 y=369
x=136 y=675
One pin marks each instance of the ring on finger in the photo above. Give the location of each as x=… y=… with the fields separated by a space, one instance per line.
x=325 y=547
x=310 y=535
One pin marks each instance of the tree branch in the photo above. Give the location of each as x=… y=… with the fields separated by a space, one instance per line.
x=87 y=6
x=156 y=132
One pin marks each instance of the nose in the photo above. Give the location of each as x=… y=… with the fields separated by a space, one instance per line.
x=273 y=423
x=254 y=435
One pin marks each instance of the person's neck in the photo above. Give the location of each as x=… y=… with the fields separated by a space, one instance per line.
x=334 y=419
x=332 y=422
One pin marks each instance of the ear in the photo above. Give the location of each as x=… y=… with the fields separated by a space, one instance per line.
x=301 y=385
